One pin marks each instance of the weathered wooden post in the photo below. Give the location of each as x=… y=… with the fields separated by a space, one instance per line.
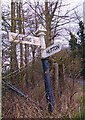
x=56 y=74
x=48 y=86
x=61 y=78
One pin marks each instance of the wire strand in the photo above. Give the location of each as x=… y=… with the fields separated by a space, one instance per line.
x=16 y=72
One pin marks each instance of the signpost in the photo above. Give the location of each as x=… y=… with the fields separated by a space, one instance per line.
x=51 y=50
x=45 y=52
x=48 y=86
x=21 y=38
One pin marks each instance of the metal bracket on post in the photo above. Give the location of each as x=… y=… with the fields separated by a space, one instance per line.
x=48 y=86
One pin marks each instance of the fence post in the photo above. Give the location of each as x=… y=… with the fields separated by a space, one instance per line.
x=56 y=73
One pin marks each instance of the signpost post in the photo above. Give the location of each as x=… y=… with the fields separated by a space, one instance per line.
x=45 y=52
x=48 y=87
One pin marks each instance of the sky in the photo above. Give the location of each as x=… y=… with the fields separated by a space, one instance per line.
x=73 y=4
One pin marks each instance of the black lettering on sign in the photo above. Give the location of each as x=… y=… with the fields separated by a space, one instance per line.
x=48 y=51
x=52 y=49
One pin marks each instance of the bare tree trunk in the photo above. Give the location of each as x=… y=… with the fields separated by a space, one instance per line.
x=48 y=24
x=26 y=65
x=56 y=74
x=20 y=28
x=13 y=60
x=33 y=51
x=49 y=14
x=26 y=56
x=32 y=68
x=61 y=79
x=20 y=25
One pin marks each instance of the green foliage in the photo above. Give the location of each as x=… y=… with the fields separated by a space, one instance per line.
x=78 y=49
x=73 y=45
x=81 y=114
x=81 y=32
x=73 y=42
x=81 y=35
x=72 y=64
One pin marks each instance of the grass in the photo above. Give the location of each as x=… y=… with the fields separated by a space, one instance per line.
x=81 y=114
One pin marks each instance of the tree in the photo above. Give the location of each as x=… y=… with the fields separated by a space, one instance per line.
x=20 y=29
x=53 y=22
x=73 y=44
x=13 y=60
x=81 y=34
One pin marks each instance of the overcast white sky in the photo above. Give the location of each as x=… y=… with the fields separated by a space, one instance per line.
x=73 y=3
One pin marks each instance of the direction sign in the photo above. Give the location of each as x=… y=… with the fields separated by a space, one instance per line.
x=51 y=50
x=21 y=38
